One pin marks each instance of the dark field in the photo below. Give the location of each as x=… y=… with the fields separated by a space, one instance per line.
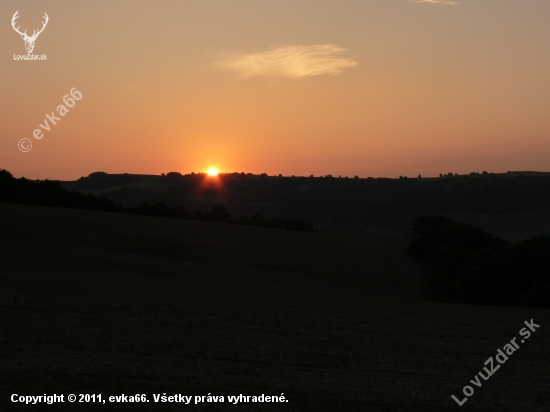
x=94 y=302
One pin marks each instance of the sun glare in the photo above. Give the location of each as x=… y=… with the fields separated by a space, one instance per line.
x=212 y=171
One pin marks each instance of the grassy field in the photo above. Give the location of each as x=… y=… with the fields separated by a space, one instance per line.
x=95 y=302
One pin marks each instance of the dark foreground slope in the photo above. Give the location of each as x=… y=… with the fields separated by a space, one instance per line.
x=95 y=302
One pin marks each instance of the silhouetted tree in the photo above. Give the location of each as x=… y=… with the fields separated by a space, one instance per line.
x=471 y=266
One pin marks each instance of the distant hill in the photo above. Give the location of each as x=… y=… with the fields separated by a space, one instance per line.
x=513 y=205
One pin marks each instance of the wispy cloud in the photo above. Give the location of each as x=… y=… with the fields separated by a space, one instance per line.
x=448 y=2
x=289 y=62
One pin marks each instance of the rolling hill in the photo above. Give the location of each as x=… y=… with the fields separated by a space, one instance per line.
x=513 y=205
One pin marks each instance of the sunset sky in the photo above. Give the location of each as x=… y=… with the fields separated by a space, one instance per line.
x=298 y=87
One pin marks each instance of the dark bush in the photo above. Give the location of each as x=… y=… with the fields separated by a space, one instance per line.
x=468 y=265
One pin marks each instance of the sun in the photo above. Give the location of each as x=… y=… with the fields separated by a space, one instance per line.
x=212 y=171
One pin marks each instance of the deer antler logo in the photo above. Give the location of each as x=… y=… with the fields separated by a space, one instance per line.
x=29 y=40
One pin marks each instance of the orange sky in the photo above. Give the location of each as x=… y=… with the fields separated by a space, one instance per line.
x=298 y=87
